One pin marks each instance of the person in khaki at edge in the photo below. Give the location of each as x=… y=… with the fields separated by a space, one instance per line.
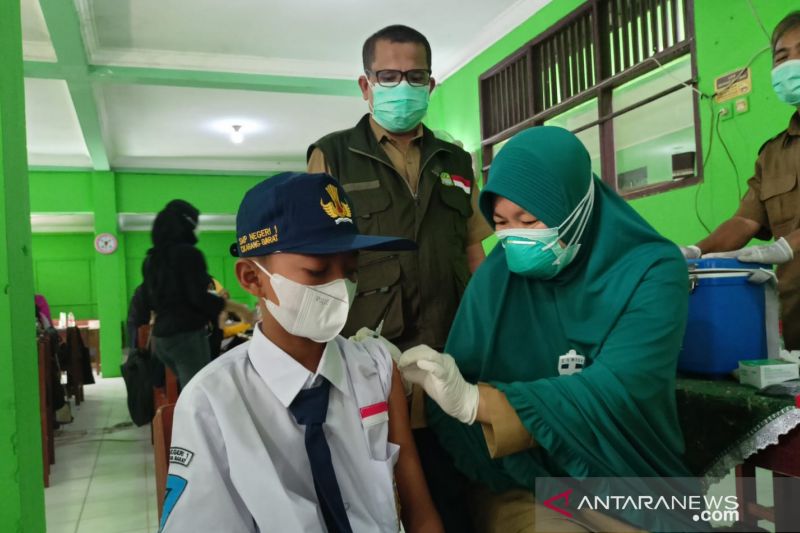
x=771 y=206
x=403 y=181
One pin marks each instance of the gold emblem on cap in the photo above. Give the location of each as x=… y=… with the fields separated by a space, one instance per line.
x=336 y=208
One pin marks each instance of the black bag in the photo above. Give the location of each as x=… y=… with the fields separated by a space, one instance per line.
x=137 y=373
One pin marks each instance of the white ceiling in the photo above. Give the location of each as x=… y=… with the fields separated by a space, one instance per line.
x=323 y=38
x=36 y=39
x=173 y=127
x=54 y=135
x=278 y=127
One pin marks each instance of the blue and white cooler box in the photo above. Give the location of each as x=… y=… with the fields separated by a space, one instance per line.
x=733 y=316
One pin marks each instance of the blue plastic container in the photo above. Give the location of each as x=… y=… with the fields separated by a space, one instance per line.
x=726 y=317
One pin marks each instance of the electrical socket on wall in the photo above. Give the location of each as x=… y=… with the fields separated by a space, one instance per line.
x=742 y=105
x=725 y=111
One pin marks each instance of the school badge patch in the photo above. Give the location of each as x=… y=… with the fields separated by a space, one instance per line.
x=180 y=456
x=337 y=209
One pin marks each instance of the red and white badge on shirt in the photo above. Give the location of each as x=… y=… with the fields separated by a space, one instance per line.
x=374 y=414
x=454 y=180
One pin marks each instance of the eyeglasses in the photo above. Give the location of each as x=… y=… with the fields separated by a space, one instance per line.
x=416 y=77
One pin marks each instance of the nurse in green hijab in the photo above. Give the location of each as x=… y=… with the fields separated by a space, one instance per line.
x=565 y=346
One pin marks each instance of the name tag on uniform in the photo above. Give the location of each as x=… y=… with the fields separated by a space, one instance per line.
x=570 y=363
x=374 y=414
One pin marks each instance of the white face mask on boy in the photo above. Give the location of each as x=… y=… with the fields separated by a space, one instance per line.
x=316 y=312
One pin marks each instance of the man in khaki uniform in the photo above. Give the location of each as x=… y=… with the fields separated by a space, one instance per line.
x=404 y=181
x=771 y=206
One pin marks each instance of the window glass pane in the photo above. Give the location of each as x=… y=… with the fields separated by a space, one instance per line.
x=655 y=143
x=577 y=117
x=653 y=82
x=591 y=140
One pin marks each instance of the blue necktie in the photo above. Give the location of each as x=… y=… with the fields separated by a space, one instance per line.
x=310 y=408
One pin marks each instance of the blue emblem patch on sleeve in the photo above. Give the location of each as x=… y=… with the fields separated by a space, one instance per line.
x=175 y=487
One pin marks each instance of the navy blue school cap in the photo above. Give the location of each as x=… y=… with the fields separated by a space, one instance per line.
x=302 y=213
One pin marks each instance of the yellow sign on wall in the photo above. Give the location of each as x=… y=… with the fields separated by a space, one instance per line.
x=732 y=85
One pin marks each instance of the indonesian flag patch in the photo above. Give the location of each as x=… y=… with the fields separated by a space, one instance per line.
x=374 y=414
x=454 y=180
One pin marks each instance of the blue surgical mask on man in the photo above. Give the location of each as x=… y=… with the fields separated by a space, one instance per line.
x=786 y=81
x=400 y=108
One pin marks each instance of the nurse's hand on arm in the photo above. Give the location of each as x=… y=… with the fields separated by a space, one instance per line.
x=438 y=374
x=416 y=506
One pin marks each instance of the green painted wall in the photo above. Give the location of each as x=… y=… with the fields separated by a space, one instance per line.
x=148 y=193
x=728 y=37
x=21 y=483
x=64 y=272
x=65 y=192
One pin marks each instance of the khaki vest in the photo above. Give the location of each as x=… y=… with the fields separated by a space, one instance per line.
x=415 y=293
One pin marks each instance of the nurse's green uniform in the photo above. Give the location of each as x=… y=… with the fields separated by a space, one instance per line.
x=622 y=303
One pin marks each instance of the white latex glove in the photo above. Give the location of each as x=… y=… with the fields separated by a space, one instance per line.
x=394 y=351
x=691 y=252
x=366 y=333
x=442 y=381
x=777 y=253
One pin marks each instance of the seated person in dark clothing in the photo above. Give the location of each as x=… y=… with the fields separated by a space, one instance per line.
x=237 y=318
x=176 y=282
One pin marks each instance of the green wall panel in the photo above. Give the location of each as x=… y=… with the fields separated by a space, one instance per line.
x=76 y=295
x=148 y=193
x=66 y=192
x=63 y=267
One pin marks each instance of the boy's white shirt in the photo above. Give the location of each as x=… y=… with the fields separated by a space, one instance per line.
x=238 y=460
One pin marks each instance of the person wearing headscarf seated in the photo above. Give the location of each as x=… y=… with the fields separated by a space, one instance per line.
x=565 y=347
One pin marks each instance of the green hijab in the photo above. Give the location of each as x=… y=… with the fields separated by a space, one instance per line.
x=621 y=303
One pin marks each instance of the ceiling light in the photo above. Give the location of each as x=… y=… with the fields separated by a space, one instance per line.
x=237 y=137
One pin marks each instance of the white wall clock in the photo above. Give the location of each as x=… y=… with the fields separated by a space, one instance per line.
x=106 y=243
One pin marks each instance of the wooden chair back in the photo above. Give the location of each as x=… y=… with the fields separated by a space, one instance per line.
x=162 y=434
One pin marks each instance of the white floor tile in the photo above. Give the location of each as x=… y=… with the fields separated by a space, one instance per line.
x=113 y=524
x=69 y=512
x=115 y=507
x=66 y=493
x=59 y=526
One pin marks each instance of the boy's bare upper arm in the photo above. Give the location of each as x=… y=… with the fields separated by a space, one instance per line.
x=399 y=425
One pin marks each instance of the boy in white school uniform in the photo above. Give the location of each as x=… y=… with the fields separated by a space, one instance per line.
x=299 y=430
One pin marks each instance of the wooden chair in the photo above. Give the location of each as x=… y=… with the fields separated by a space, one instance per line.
x=169 y=393
x=162 y=434
x=46 y=415
x=75 y=365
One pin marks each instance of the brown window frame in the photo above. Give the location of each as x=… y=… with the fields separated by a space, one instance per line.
x=605 y=81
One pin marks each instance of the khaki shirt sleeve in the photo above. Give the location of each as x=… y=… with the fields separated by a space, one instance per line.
x=317 y=162
x=751 y=206
x=477 y=227
x=504 y=434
